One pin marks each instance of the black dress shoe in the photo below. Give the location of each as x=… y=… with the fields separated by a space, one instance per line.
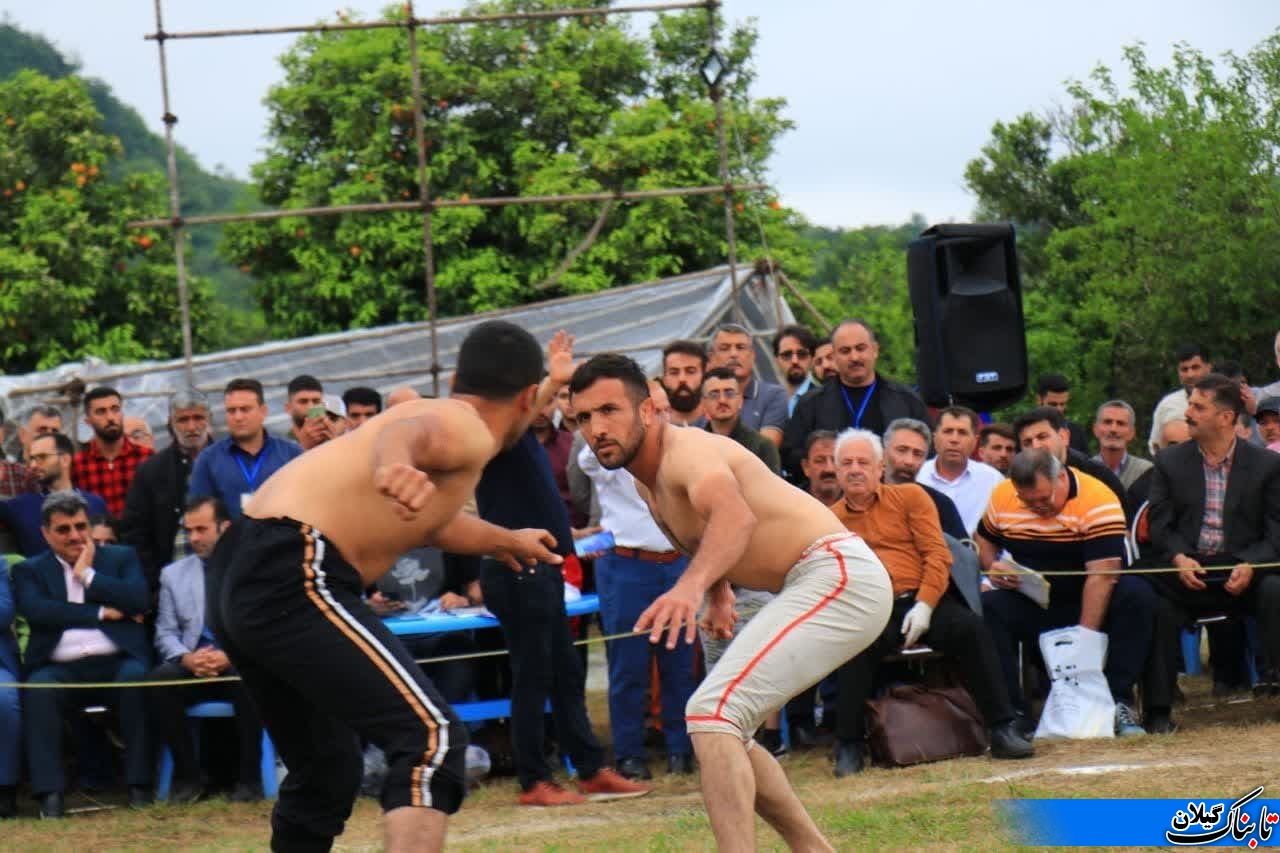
x=51 y=805
x=247 y=792
x=680 y=763
x=1024 y=724
x=633 y=768
x=140 y=796
x=1160 y=722
x=8 y=801
x=803 y=736
x=184 y=792
x=849 y=758
x=1008 y=742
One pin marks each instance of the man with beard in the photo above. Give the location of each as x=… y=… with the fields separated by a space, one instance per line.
x=741 y=524
x=305 y=405
x=108 y=464
x=824 y=361
x=996 y=446
x=793 y=348
x=764 y=405
x=906 y=446
x=153 y=509
x=50 y=458
x=1045 y=428
x=860 y=397
x=683 y=363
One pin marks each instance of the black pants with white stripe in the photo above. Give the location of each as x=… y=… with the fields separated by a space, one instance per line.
x=324 y=671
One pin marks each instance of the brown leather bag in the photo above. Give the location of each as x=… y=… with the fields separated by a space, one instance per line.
x=914 y=724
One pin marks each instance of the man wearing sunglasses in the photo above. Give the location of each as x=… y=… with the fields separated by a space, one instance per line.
x=85 y=607
x=793 y=350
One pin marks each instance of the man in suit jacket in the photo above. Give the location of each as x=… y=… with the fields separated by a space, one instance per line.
x=187 y=649
x=10 y=707
x=85 y=608
x=858 y=396
x=1215 y=501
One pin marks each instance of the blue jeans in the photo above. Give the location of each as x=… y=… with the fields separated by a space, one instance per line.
x=626 y=587
x=10 y=729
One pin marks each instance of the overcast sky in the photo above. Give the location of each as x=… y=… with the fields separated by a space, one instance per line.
x=890 y=99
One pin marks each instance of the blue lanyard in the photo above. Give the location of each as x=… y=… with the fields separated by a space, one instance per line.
x=250 y=477
x=857 y=418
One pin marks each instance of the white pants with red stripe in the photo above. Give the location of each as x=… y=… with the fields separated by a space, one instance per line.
x=834 y=603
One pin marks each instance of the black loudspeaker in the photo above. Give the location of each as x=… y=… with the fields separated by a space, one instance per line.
x=971 y=344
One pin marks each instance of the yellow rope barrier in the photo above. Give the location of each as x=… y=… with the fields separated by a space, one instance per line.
x=225 y=679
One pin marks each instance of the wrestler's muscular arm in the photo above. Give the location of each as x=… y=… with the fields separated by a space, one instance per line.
x=445 y=440
x=727 y=523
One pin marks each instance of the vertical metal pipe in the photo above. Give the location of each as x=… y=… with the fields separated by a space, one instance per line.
x=717 y=96
x=179 y=248
x=424 y=196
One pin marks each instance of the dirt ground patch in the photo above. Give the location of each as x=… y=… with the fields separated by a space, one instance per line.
x=1222 y=749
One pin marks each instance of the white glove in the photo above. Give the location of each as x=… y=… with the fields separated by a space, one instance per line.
x=916 y=625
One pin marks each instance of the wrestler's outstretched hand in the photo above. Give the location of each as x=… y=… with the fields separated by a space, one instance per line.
x=405 y=486
x=670 y=612
x=528 y=547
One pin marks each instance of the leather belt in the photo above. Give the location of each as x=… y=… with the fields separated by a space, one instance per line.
x=662 y=557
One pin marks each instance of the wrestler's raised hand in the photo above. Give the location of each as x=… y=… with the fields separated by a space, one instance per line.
x=671 y=611
x=528 y=547
x=405 y=486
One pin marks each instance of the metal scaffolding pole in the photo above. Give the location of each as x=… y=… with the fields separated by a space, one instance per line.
x=179 y=248
x=717 y=97
x=428 y=251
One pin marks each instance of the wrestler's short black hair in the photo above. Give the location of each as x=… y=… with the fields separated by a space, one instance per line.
x=610 y=365
x=497 y=360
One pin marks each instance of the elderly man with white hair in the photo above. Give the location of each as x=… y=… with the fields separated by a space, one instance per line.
x=900 y=524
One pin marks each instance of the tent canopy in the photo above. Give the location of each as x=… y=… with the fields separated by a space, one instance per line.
x=638 y=319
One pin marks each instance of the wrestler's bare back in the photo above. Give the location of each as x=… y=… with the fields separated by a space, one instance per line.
x=788 y=520
x=331 y=487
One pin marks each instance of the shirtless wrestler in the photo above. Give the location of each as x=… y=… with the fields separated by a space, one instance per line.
x=285 y=595
x=742 y=525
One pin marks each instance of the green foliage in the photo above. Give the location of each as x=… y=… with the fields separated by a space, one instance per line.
x=74 y=280
x=144 y=151
x=530 y=109
x=1148 y=217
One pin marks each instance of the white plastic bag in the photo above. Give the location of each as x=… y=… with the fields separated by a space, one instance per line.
x=1080 y=703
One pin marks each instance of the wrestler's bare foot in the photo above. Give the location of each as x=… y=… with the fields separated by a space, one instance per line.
x=412 y=828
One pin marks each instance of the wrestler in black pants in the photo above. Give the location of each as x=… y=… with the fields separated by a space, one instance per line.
x=544 y=665
x=323 y=671
x=954 y=630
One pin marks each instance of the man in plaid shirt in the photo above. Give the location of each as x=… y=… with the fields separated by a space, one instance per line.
x=107 y=464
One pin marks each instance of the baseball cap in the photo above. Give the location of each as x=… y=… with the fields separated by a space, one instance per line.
x=1271 y=404
x=333 y=405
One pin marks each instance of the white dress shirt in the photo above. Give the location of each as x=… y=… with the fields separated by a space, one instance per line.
x=622 y=511
x=77 y=643
x=970 y=492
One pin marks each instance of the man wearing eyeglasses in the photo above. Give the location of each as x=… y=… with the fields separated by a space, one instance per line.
x=85 y=607
x=722 y=401
x=764 y=405
x=793 y=350
x=49 y=456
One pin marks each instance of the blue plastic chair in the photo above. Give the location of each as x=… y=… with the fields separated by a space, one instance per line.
x=212 y=710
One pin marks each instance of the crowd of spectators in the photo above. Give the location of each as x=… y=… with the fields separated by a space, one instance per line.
x=107 y=543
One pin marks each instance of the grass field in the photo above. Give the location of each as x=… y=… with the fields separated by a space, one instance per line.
x=1222 y=749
